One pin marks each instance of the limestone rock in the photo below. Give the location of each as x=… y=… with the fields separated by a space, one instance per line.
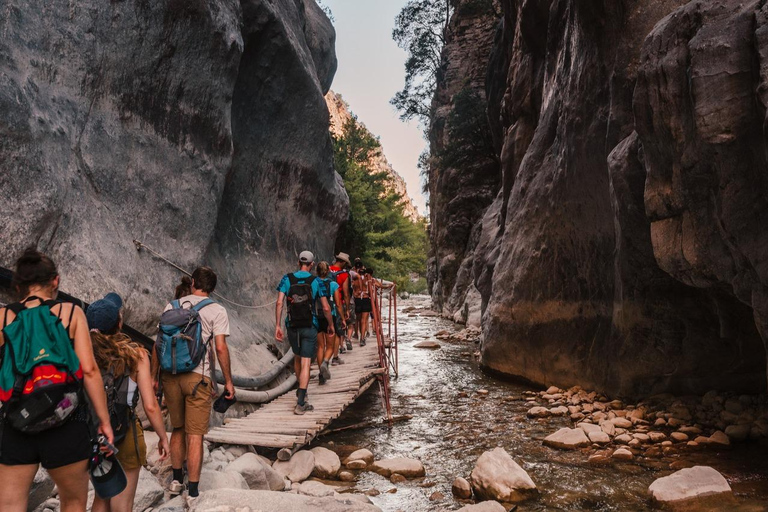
x=738 y=432
x=461 y=488
x=316 y=489
x=298 y=468
x=149 y=492
x=497 y=476
x=41 y=490
x=346 y=476
x=177 y=504
x=567 y=439
x=252 y=469
x=622 y=454
x=277 y=502
x=538 y=412
x=409 y=468
x=599 y=437
x=720 y=438
x=327 y=463
x=484 y=506
x=427 y=344
x=361 y=454
x=356 y=464
x=214 y=480
x=689 y=483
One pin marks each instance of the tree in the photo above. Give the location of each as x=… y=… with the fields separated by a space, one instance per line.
x=420 y=29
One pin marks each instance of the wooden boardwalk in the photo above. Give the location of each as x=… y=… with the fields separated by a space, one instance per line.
x=276 y=426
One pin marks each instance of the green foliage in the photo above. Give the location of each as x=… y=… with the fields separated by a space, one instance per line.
x=469 y=132
x=377 y=230
x=420 y=30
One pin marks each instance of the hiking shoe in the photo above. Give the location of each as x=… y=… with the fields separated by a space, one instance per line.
x=175 y=488
x=190 y=501
x=335 y=361
x=302 y=409
x=349 y=345
x=321 y=379
x=362 y=342
x=339 y=360
x=355 y=336
x=325 y=373
x=342 y=349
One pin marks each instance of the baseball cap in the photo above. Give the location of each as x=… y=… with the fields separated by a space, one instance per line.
x=104 y=314
x=306 y=257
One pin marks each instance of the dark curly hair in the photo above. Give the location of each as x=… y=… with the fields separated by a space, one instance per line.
x=33 y=268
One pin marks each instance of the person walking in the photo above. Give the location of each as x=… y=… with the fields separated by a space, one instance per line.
x=363 y=305
x=126 y=373
x=302 y=291
x=63 y=450
x=326 y=344
x=187 y=375
x=340 y=272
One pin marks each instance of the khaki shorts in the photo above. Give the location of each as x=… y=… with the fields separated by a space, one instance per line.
x=130 y=455
x=192 y=412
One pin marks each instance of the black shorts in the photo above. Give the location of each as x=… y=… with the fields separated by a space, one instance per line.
x=322 y=325
x=363 y=305
x=339 y=329
x=52 y=448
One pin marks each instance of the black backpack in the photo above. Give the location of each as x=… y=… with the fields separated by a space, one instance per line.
x=301 y=307
x=122 y=414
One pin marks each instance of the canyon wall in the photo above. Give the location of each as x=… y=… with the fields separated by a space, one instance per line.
x=626 y=247
x=197 y=127
x=340 y=115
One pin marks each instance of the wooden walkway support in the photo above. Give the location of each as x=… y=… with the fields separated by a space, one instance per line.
x=276 y=426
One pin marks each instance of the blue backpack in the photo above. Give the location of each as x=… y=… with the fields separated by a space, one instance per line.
x=180 y=344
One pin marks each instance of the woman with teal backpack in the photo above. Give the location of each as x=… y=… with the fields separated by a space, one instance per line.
x=46 y=353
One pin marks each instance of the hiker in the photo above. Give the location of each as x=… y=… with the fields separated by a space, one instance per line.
x=325 y=342
x=354 y=274
x=126 y=374
x=301 y=290
x=363 y=305
x=186 y=371
x=47 y=338
x=341 y=274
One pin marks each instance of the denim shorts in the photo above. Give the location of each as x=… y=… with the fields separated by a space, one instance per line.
x=303 y=341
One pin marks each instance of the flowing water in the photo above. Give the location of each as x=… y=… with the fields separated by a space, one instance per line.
x=453 y=425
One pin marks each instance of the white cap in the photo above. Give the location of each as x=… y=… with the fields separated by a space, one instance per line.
x=306 y=257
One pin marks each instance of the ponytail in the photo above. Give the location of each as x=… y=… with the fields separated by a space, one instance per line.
x=184 y=288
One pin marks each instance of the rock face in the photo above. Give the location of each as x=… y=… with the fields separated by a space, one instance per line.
x=687 y=484
x=497 y=476
x=340 y=114
x=624 y=250
x=196 y=127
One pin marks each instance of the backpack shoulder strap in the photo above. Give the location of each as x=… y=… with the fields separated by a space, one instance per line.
x=175 y=304
x=292 y=279
x=200 y=305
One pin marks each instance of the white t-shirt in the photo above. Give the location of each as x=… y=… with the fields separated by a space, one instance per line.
x=213 y=320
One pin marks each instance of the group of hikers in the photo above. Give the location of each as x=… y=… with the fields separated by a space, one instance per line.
x=70 y=380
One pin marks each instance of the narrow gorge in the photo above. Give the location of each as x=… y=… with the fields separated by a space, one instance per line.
x=618 y=239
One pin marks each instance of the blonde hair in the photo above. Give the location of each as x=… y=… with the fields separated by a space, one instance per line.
x=322 y=269
x=116 y=352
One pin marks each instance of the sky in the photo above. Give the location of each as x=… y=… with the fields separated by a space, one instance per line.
x=371 y=70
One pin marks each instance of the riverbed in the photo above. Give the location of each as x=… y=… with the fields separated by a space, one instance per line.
x=453 y=425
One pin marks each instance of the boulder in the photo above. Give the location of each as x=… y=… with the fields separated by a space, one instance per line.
x=589 y=427
x=327 y=463
x=622 y=454
x=177 y=504
x=599 y=437
x=252 y=469
x=298 y=468
x=461 y=488
x=149 y=492
x=346 y=476
x=427 y=344
x=496 y=476
x=621 y=422
x=738 y=433
x=356 y=464
x=538 y=412
x=277 y=502
x=361 y=454
x=214 y=480
x=567 y=439
x=688 y=484
x=41 y=490
x=720 y=438
x=485 y=506
x=316 y=489
x=409 y=468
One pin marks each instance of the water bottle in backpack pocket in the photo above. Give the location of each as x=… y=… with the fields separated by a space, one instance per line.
x=180 y=344
x=301 y=306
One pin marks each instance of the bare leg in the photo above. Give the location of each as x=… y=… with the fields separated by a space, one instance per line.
x=15 y=482
x=72 y=482
x=178 y=448
x=304 y=372
x=100 y=505
x=332 y=349
x=123 y=502
x=194 y=456
x=321 y=348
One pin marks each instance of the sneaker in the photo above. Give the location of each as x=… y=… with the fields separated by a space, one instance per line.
x=301 y=409
x=339 y=360
x=355 y=336
x=349 y=344
x=322 y=380
x=335 y=361
x=175 y=488
x=324 y=371
x=342 y=349
x=190 y=501
x=362 y=342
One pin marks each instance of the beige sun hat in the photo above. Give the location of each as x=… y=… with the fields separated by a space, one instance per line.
x=342 y=256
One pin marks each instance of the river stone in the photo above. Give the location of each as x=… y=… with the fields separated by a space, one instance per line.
x=409 y=468
x=316 y=489
x=461 y=488
x=327 y=463
x=720 y=438
x=485 y=506
x=277 y=502
x=689 y=483
x=148 y=491
x=427 y=344
x=567 y=439
x=599 y=437
x=298 y=468
x=622 y=454
x=361 y=454
x=397 y=478
x=608 y=427
x=559 y=411
x=177 y=504
x=738 y=432
x=497 y=476
x=679 y=436
x=623 y=438
x=621 y=422
x=346 y=476
x=214 y=480
x=356 y=464
x=589 y=427
x=41 y=490
x=252 y=469
x=538 y=412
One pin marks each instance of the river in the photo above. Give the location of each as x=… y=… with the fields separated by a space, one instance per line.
x=453 y=425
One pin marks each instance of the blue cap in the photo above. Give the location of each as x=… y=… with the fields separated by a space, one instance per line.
x=104 y=314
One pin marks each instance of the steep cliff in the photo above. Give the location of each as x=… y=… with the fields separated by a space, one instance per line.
x=459 y=193
x=624 y=250
x=340 y=114
x=197 y=127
